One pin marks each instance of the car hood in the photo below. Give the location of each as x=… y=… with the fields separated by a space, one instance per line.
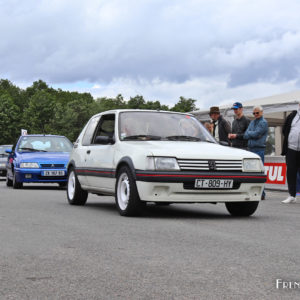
x=188 y=150
x=44 y=157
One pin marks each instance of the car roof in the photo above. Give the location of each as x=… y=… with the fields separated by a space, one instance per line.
x=140 y=110
x=46 y=135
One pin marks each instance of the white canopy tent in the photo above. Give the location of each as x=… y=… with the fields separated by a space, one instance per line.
x=276 y=108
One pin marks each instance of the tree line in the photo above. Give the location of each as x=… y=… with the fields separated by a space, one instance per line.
x=41 y=109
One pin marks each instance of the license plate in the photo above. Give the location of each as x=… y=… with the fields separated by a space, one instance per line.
x=213 y=183
x=53 y=173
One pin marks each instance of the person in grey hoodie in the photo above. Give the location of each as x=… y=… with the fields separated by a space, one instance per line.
x=291 y=150
x=256 y=134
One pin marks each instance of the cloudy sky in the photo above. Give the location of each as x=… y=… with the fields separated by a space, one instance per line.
x=215 y=51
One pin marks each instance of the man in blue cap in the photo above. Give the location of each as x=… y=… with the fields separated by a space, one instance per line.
x=239 y=127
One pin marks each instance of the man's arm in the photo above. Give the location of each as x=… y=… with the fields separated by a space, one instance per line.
x=257 y=132
x=227 y=126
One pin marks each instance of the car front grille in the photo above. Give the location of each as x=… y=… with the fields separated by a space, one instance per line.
x=210 y=165
x=45 y=178
x=52 y=166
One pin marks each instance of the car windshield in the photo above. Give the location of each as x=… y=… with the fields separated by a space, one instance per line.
x=161 y=126
x=44 y=144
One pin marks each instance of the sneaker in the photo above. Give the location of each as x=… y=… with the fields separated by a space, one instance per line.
x=289 y=199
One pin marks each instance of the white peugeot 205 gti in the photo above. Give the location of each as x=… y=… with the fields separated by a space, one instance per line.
x=142 y=156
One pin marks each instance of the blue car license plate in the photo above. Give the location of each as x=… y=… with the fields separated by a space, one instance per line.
x=53 y=173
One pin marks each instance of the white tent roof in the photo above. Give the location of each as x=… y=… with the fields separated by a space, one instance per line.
x=275 y=108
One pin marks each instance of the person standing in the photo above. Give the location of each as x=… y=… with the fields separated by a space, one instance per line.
x=239 y=126
x=291 y=150
x=221 y=127
x=209 y=126
x=256 y=134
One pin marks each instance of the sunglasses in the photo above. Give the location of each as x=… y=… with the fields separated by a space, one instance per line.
x=256 y=113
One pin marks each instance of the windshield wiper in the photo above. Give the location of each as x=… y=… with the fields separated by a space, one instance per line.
x=209 y=141
x=143 y=137
x=33 y=150
x=182 y=138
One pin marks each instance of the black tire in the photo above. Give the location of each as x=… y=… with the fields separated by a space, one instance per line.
x=9 y=182
x=15 y=183
x=75 y=194
x=126 y=195
x=242 y=209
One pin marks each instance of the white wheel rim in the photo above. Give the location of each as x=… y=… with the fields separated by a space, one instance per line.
x=123 y=192
x=71 y=185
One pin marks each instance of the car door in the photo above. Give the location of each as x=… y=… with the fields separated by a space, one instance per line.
x=81 y=152
x=100 y=156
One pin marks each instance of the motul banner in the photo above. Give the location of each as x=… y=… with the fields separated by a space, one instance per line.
x=276 y=173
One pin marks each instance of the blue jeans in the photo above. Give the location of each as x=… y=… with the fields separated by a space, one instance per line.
x=261 y=154
x=298 y=182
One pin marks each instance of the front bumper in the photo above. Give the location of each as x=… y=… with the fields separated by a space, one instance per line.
x=36 y=175
x=179 y=187
x=3 y=172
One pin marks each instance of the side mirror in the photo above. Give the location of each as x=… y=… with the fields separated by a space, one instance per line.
x=223 y=143
x=104 y=140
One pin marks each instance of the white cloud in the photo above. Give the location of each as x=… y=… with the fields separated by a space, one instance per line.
x=161 y=49
x=207 y=92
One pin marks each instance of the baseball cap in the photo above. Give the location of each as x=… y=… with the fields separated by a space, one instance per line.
x=237 y=105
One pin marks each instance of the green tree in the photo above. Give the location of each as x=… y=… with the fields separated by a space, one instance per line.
x=69 y=119
x=17 y=95
x=38 y=115
x=37 y=86
x=105 y=104
x=155 y=105
x=136 y=102
x=185 y=105
x=9 y=120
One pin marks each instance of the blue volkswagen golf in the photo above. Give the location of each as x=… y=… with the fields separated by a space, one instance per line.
x=38 y=158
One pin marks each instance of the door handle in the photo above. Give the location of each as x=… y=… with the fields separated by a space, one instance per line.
x=88 y=151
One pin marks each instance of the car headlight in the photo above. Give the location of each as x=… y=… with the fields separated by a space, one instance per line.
x=162 y=163
x=29 y=165
x=252 y=165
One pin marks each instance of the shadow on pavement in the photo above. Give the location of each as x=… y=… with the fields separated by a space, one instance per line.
x=172 y=211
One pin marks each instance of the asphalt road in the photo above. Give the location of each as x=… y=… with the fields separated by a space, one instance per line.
x=51 y=250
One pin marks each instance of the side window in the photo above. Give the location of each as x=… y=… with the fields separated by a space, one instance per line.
x=106 y=126
x=89 y=132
